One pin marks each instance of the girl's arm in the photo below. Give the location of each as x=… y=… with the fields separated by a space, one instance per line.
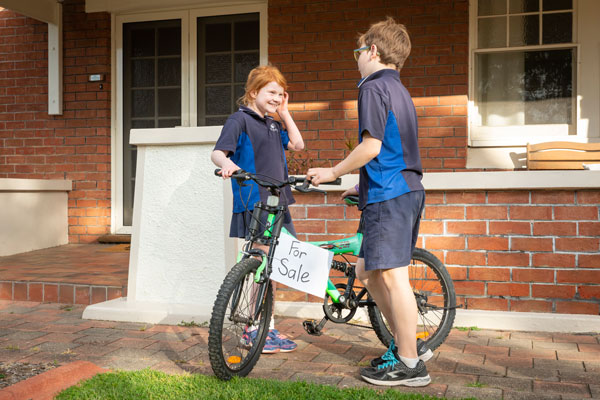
x=220 y=159
x=296 y=143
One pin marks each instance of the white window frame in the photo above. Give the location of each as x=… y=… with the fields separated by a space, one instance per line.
x=188 y=19
x=486 y=136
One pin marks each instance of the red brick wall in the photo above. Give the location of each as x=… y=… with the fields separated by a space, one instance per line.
x=75 y=145
x=311 y=42
x=516 y=250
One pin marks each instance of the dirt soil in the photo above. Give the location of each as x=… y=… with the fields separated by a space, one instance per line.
x=11 y=373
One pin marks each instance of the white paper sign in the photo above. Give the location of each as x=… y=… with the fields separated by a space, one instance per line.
x=301 y=265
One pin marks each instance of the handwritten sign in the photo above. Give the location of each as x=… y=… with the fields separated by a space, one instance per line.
x=301 y=265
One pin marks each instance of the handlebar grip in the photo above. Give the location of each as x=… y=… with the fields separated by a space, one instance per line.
x=218 y=172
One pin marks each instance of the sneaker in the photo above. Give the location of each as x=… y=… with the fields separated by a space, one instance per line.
x=423 y=352
x=395 y=372
x=271 y=346
x=285 y=345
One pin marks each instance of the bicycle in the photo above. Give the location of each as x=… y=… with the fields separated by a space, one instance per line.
x=242 y=310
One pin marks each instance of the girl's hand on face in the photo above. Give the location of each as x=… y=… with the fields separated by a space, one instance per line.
x=283 y=107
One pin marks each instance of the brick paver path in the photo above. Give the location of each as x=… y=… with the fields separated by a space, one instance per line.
x=482 y=364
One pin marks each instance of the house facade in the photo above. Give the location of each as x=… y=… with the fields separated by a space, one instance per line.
x=487 y=77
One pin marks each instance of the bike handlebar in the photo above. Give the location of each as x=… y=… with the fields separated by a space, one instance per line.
x=300 y=183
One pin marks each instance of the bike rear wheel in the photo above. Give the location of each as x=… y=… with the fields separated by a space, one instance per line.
x=436 y=301
x=239 y=322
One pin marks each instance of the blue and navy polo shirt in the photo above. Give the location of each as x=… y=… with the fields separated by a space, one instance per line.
x=386 y=111
x=256 y=145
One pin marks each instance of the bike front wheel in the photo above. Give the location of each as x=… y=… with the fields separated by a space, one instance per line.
x=240 y=321
x=435 y=297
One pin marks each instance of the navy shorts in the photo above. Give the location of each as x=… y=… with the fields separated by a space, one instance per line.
x=241 y=221
x=390 y=230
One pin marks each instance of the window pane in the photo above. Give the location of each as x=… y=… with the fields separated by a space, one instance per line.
x=557 y=28
x=142 y=73
x=522 y=88
x=239 y=92
x=215 y=121
x=551 y=5
x=218 y=37
x=491 y=7
x=218 y=100
x=142 y=123
x=169 y=123
x=218 y=68
x=169 y=72
x=142 y=42
x=246 y=35
x=522 y=6
x=524 y=30
x=142 y=103
x=169 y=41
x=491 y=32
x=244 y=64
x=169 y=102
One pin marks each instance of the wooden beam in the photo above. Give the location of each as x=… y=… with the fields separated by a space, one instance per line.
x=42 y=10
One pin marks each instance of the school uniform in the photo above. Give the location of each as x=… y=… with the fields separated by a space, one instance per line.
x=391 y=195
x=256 y=144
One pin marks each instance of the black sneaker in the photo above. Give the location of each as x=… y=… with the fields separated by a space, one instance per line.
x=423 y=352
x=395 y=373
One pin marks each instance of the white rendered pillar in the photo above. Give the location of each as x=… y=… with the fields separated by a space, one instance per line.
x=180 y=249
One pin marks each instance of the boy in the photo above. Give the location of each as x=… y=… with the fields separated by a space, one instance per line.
x=391 y=197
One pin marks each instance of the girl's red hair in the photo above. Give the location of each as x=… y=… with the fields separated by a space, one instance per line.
x=260 y=77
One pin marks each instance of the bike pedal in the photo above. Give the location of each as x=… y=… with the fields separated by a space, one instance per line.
x=311 y=326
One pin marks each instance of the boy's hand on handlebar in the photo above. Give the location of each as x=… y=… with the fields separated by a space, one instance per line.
x=320 y=175
x=228 y=168
x=350 y=192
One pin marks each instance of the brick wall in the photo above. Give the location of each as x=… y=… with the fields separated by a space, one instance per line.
x=75 y=145
x=517 y=250
x=312 y=43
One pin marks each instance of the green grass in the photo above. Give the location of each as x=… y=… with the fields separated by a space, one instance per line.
x=476 y=384
x=153 y=385
x=467 y=328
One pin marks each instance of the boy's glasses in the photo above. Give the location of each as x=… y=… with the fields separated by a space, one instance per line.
x=357 y=52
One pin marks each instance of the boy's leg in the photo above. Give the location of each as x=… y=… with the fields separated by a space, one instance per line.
x=377 y=289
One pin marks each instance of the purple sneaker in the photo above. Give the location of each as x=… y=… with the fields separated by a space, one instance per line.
x=285 y=345
x=271 y=346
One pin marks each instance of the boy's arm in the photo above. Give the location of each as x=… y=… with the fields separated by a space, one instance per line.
x=220 y=159
x=368 y=149
x=296 y=142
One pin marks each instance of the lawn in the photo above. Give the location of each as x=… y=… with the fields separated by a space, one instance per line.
x=151 y=385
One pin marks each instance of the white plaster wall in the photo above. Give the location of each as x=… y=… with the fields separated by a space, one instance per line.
x=180 y=256
x=33 y=215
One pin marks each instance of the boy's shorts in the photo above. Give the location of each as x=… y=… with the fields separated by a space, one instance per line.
x=241 y=221
x=390 y=230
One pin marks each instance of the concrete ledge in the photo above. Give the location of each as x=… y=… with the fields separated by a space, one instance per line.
x=35 y=185
x=499 y=320
x=149 y=312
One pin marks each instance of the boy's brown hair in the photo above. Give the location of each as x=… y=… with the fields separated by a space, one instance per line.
x=258 y=78
x=392 y=41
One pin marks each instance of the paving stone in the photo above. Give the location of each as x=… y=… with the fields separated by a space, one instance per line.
x=487 y=350
x=94 y=350
x=563 y=388
x=578 y=376
x=24 y=335
x=269 y=363
x=462 y=358
x=516 y=384
x=480 y=369
x=352 y=382
x=351 y=358
x=187 y=354
x=533 y=353
x=595 y=348
x=533 y=373
x=321 y=379
x=575 y=355
x=452 y=379
x=543 y=363
x=441 y=365
x=305 y=366
x=575 y=338
x=133 y=343
x=433 y=389
x=132 y=353
x=595 y=389
x=516 y=395
x=462 y=392
x=556 y=346
x=129 y=364
x=174 y=368
x=509 y=361
x=96 y=339
x=280 y=375
x=512 y=343
x=170 y=336
x=57 y=347
x=591 y=365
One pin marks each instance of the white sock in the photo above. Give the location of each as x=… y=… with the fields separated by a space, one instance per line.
x=409 y=362
x=272 y=324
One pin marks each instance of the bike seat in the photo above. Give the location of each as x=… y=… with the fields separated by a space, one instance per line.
x=351 y=200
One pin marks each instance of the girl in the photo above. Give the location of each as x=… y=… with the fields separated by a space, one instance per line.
x=253 y=141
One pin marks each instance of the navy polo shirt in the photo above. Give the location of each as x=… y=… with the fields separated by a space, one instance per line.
x=386 y=111
x=256 y=145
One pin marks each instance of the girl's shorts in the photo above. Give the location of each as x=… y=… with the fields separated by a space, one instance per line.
x=241 y=221
x=390 y=231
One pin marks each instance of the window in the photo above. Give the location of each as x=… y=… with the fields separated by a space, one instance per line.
x=524 y=71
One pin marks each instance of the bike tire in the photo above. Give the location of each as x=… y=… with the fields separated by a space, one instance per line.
x=229 y=352
x=440 y=289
